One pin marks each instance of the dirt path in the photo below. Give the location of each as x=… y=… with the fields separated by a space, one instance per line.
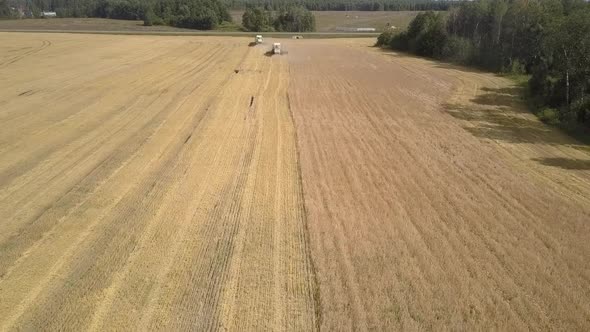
x=433 y=201
x=148 y=183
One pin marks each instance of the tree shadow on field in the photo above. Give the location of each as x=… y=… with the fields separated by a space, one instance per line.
x=401 y=54
x=500 y=115
x=497 y=113
x=473 y=70
x=565 y=163
x=435 y=63
x=500 y=125
x=508 y=97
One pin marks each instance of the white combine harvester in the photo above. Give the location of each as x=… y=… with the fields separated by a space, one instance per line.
x=276 y=48
x=258 y=39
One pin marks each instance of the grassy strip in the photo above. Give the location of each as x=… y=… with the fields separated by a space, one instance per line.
x=309 y=35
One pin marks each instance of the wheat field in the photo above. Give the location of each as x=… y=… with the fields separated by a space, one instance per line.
x=197 y=183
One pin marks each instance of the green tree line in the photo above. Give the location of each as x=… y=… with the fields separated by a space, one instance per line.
x=290 y=19
x=194 y=14
x=131 y=9
x=546 y=39
x=5 y=11
x=343 y=5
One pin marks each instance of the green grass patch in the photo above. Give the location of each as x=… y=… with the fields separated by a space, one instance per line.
x=229 y=27
x=522 y=80
x=547 y=115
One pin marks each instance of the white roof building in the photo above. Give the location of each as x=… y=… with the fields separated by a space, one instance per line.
x=48 y=14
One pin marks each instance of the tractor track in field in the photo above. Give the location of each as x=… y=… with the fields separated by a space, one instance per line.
x=44 y=44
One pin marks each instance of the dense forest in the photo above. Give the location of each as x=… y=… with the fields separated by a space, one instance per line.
x=546 y=39
x=291 y=19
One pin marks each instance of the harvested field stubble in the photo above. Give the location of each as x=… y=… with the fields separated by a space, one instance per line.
x=427 y=206
x=145 y=184
x=160 y=183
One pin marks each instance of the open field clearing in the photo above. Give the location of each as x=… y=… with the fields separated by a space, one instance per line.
x=329 y=21
x=86 y=24
x=433 y=203
x=326 y=22
x=126 y=27
x=144 y=183
x=194 y=183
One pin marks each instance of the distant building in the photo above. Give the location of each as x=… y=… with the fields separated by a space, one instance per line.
x=48 y=14
x=365 y=29
x=345 y=29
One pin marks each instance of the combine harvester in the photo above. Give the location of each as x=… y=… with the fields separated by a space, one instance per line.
x=276 y=48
